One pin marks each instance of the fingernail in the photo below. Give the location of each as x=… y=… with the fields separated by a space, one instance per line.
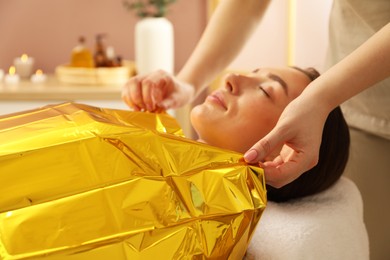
x=250 y=155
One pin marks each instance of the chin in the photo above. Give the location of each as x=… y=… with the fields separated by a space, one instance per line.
x=200 y=120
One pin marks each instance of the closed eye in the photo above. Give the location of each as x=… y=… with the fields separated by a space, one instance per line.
x=265 y=92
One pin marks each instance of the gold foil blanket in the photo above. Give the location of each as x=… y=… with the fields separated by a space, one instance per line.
x=80 y=182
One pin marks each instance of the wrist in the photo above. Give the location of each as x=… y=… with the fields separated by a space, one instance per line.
x=315 y=101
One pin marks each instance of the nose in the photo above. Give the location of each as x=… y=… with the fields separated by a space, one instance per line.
x=235 y=83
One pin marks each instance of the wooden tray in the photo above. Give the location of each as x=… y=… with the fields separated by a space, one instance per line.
x=95 y=76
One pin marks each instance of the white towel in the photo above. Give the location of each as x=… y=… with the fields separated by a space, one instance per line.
x=328 y=225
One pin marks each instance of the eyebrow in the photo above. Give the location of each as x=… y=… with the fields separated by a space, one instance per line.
x=281 y=82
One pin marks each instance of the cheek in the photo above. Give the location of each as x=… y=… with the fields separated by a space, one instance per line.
x=259 y=114
x=257 y=121
x=255 y=127
x=238 y=129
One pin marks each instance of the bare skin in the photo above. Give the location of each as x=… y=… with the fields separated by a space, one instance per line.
x=223 y=39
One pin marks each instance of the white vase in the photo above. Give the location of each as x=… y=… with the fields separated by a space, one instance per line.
x=154 y=45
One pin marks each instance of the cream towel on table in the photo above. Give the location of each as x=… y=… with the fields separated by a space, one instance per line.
x=328 y=225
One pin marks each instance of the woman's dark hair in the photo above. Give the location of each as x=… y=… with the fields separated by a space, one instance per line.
x=333 y=157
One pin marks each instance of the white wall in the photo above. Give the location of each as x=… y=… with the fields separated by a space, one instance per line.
x=269 y=46
x=311 y=35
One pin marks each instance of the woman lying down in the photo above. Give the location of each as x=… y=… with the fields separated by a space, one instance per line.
x=246 y=107
x=83 y=180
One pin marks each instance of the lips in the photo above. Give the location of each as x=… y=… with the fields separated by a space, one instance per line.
x=217 y=98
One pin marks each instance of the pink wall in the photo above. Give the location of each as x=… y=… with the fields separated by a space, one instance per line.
x=47 y=30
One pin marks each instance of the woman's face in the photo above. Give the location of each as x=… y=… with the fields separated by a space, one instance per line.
x=246 y=107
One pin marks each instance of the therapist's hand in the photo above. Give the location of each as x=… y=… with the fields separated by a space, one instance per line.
x=299 y=129
x=156 y=90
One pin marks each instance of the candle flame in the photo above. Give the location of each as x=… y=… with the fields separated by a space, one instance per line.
x=39 y=72
x=12 y=70
x=24 y=57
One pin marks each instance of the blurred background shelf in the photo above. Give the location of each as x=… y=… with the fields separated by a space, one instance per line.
x=26 y=95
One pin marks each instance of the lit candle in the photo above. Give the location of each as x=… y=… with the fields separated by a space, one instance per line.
x=12 y=77
x=24 y=66
x=38 y=77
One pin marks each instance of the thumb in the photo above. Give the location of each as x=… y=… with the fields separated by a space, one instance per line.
x=157 y=95
x=260 y=150
x=168 y=103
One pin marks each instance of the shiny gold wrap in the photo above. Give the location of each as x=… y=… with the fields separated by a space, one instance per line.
x=80 y=182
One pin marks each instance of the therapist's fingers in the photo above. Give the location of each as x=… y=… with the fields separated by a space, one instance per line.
x=131 y=93
x=151 y=92
x=180 y=93
x=155 y=87
x=145 y=92
x=299 y=153
x=288 y=166
x=298 y=133
x=157 y=90
x=259 y=151
x=166 y=88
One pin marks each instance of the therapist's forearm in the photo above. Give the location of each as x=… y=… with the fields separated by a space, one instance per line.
x=367 y=65
x=226 y=33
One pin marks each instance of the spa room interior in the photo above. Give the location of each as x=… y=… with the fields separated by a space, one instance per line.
x=38 y=40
